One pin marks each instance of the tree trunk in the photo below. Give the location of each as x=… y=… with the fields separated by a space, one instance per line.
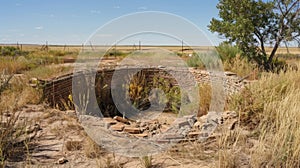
x=268 y=64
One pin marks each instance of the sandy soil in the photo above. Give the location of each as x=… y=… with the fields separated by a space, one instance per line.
x=58 y=129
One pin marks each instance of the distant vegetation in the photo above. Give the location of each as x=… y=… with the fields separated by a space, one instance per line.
x=252 y=25
x=15 y=60
x=11 y=51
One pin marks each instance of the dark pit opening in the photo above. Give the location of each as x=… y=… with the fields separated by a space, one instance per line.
x=138 y=88
x=58 y=92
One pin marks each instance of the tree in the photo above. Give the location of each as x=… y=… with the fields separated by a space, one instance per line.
x=252 y=25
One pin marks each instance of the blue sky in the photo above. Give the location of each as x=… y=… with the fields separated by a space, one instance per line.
x=72 y=22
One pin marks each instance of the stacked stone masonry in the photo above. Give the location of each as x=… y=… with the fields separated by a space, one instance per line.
x=57 y=91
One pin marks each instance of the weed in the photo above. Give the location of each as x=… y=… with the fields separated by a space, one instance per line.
x=92 y=150
x=146 y=161
x=13 y=136
x=195 y=61
x=74 y=145
x=205 y=98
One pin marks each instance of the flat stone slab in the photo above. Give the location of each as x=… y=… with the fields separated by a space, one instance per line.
x=194 y=134
x=109 y=120
x=132 y=130
x=141 y=135
x=117 y=127
x=121 y=119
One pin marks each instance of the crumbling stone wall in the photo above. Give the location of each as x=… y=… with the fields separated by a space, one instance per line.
x=57 y=91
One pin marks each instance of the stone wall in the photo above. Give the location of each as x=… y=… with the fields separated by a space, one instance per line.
x=57 y=91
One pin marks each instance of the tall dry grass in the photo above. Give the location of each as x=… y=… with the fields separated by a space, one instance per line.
x=279 y=125
x=14 y=94
x=241 y=66
x=205 y=99
x=270 y=109
x=46 y=72
x=11 y=65
x=13 y=135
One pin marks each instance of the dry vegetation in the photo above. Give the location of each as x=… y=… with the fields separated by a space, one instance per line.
x=270 y=107
x=267 y=135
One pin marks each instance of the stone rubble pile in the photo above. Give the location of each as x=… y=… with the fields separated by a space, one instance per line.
x=186 y=128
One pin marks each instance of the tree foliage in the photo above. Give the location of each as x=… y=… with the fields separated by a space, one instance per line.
x=254 y=24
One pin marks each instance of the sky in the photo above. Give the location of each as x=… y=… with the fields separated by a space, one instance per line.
x=73 y=22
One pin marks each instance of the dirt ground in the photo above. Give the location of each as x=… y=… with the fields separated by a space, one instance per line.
x=58 y=140
x=59 y=136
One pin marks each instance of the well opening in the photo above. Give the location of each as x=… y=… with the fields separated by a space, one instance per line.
x=58 y=92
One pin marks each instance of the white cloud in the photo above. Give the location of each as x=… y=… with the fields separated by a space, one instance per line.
x=95 y=11
x=39 y=28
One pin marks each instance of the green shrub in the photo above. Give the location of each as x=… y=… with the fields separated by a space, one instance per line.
x=115 y=53
x=11 y=51
x=195 y=61
x=227 y=52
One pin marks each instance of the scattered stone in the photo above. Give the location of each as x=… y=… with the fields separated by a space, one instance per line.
x=117 y=127
x=138 y=122
x=109 y=121
x=198 y=125
x=62 y=160
x=143 y=135
x=194 y=134
x=134 y=124
x=173 y=136
x=153 y=127
x=152 y=121
x=228 y=73
x=143 y=124
x=185 y=121
x=144 y=129
x=132 y=130
x=121 y=119
x=229 y=114
x=202 y=118
x=163 y=128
